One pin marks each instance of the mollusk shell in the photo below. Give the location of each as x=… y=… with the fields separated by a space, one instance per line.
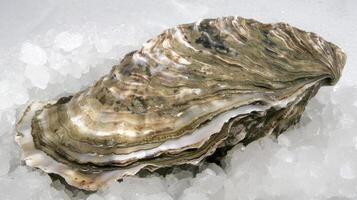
x=191 y=90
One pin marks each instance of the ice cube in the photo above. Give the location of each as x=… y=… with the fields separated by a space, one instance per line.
x=68 y=41
x=32 y=54
x=38 y=75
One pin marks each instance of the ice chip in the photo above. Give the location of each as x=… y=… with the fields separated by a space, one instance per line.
x=194 y=195
x=103 y=45
x=68 y=41
x=38 y=76
x=347 y=172
x=32 y=54
x=283 y=140
x=12 y=92
x=5 y=162
x=285 y=155
x=95 y=197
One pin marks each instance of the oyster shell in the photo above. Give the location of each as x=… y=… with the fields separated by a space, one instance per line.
x=191 y=90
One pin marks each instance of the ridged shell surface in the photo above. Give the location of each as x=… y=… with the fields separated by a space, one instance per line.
x=192 y=90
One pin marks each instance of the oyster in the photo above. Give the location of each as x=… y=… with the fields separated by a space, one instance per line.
x=193 y=90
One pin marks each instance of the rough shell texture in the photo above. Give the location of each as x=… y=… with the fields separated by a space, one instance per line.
x=192 y=90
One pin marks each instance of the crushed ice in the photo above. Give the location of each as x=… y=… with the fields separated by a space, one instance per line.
x=314 y=160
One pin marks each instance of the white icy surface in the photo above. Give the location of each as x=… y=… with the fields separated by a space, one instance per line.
x=32 y=54
x=68 y=41
x=49 y=48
